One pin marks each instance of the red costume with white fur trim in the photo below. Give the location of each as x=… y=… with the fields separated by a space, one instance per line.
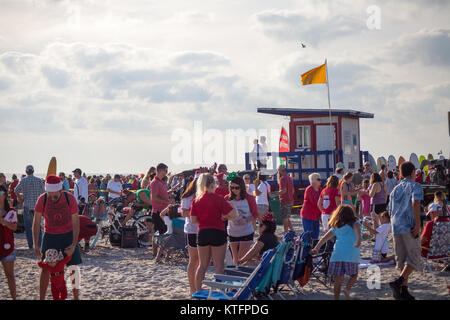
x=58 y=283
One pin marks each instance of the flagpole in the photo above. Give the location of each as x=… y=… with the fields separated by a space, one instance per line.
x=329 y=112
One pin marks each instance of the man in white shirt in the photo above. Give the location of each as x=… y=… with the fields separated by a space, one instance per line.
x=80 y=187
x=262 y=195
x=114 y=187
x=263 y=153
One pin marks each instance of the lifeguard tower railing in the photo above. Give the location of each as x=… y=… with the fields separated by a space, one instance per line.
x=296 y=158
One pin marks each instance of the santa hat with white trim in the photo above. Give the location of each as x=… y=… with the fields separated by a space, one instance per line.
x=53 y=183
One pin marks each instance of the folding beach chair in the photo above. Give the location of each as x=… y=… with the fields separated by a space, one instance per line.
x=174 y=240
x=227 y=287
x=439 y=249
x=286 y=279
x=320 y=268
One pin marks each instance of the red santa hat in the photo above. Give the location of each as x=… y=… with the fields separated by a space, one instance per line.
x=53 y=183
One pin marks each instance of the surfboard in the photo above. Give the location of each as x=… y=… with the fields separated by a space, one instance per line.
x=414 y=160
x=379 y=163
x=392 y=163
x=384 y=161
x=51 y=166
x=373 y=163
x=425 y=168
x=400 y=161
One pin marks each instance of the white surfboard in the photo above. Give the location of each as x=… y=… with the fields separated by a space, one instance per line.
x=415 y=160
x=392 y=163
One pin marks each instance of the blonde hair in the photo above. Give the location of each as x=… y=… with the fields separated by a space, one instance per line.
x=204 y=181
x=313 y=176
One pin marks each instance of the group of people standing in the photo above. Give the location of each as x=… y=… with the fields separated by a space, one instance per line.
x=380 y=205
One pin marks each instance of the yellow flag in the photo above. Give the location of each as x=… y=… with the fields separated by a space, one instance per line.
x=316 y=75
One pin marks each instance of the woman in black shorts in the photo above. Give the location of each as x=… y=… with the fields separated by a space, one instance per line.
x=210 y=211
x=190 y=232
x=378 y=194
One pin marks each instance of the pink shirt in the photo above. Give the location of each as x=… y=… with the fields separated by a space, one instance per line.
x=286 y=183
x=365 y=200
x=158 y=188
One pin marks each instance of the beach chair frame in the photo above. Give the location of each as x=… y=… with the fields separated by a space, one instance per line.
x=226 y=283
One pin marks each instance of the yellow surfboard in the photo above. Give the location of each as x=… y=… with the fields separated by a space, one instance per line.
x=52 y=167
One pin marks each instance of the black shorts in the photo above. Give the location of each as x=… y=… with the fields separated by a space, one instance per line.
x=243 y=239
x=211 y=237
x=191 y=240
x=379 y=208
x=159 y=223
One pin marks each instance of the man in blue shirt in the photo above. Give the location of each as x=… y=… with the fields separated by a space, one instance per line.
x=404 y=207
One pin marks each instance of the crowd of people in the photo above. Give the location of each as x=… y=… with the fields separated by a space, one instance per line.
x=224 y=210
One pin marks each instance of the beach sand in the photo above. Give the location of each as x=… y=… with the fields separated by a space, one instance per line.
x=109 y=273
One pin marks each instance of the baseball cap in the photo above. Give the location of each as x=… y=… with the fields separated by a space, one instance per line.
x=77 y=171
x=340 y=166
x=433 y=208
x=29 y=168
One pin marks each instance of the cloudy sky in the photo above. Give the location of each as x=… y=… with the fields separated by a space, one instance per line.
x=103 y=85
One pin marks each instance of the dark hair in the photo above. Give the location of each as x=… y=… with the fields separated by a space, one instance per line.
x=375 y=177
x=14 y=177
x=161 y=166
x=385 y=214
x=190 y=190
x=262 y=177
x=343 y=215
x=271 y=226
x=6 y=204
x=239 y=181
x=390 y=174
x=339 y=170
x=383 y=166
x=360 y=170
x=406 y=169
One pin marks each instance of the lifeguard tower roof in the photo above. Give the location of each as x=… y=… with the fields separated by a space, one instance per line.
x=334 y=112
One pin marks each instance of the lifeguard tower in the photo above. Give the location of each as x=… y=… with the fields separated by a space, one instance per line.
x=314 y=147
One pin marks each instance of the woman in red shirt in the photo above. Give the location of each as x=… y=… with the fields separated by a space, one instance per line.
x=210 y=211
x=329 y=200
x=310 y=212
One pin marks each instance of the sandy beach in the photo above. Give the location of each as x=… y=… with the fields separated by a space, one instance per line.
x=110 y=273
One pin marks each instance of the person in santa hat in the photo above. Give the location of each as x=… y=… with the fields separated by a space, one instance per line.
x=61 y=229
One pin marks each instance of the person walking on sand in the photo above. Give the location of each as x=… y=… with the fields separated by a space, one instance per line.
x=61 y=229
x=404 y=208
x=31 y=187
x=345 y=257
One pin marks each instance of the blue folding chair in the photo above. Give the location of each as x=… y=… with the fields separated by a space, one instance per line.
x=229 y=287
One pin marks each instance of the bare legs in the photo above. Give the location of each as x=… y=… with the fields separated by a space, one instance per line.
x=239 y=250
x=8 y=268
x=192 y=268
x=338 y=280
x=205 y=253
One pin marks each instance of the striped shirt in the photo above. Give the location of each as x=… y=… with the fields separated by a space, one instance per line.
x=31 y=187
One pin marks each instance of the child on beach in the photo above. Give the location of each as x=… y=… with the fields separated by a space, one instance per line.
x=54 y=261
x=345 y=257
x=365 y=198
x=381 y=232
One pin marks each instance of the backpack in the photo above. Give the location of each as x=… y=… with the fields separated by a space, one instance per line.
x=65 y=195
